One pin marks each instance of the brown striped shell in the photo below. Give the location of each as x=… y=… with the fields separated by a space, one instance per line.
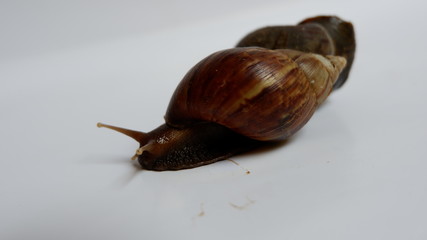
x=259 y=93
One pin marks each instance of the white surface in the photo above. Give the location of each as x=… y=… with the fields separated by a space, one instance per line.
x=357 y=170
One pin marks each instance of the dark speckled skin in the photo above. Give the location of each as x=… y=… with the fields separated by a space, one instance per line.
x=200 y=144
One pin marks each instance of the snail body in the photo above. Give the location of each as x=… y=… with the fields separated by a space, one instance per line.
x=232 y=101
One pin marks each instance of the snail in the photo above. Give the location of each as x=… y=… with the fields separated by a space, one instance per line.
x=236 y=99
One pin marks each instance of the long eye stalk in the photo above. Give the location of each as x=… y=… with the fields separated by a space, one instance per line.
x=138 y=136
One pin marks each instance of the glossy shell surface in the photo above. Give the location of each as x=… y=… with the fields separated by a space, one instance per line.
x=259 y=93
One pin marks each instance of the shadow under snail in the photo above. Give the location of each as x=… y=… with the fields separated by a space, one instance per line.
x=264 y=89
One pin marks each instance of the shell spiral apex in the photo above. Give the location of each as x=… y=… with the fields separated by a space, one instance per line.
x=325 y=35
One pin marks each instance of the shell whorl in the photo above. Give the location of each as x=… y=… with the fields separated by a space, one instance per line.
x=325 y=35
x=259 y=93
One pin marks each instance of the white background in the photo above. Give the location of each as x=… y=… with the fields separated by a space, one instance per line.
x=357 y=170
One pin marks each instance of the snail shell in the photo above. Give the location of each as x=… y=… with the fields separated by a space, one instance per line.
x=325 y=35
x=233 y=99
x=259 y=93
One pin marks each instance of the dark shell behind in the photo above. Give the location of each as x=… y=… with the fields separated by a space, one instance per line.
x=325 y=35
